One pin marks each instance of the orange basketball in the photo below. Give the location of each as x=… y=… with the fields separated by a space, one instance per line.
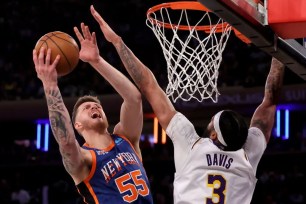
x=64 y=45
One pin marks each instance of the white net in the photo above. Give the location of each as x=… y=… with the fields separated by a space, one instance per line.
x=193 y=55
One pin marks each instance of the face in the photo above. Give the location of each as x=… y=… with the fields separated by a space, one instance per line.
x=91 y=115
x=212 y=134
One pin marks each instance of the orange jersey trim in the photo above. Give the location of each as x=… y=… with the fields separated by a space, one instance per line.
x=92 y=171
x=105 y=149
x=139 y=157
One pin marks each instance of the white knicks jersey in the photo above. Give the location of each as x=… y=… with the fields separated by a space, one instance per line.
x=204 y=173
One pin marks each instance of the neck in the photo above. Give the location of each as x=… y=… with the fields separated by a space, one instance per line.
x=219 y=145
x=98 y=140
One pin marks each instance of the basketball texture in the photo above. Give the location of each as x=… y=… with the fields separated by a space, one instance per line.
x=61 y=44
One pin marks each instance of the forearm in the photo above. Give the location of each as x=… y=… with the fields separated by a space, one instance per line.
x=147 y=83
x=119 y=82
x=263 y=117
x=136 y=69
x=274 y=82
x=59 y=117
x=63 y=130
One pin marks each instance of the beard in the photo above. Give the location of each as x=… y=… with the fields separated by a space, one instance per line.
x=96 y=124
x=101 y=125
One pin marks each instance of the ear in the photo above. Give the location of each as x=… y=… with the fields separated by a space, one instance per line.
x=213 y=135
x=78 y=126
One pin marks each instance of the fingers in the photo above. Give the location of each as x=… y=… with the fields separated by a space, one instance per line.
x=94 y=38
x=41 y=59
x=41 y=56
x=97 y=16
x=56 y=60
x=78 y=34
x=86 y=33
x=83 y=29
x=38 y=59
x=35 y=57
x=48 y=57
x=35 y=60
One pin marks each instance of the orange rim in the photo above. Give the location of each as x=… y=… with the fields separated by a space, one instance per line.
x=190 y=5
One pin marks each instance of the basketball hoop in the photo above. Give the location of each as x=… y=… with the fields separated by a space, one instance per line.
x=192 y=39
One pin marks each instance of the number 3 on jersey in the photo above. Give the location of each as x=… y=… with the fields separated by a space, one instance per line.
x=134 y=184
x=218 y=183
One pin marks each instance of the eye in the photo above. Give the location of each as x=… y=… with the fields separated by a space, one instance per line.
x=86 y=107
x=98 y=106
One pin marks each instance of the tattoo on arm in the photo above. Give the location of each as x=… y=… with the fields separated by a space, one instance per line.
x=68 y=164
x=131 y=64
x=59 y=118
x=57 y=115
x=261 y=125
x=274 y=82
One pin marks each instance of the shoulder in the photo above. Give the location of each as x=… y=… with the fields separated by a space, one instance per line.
x=256 y=141
x=180 y=124
x=255 y=132
x=178 y=120
x=204 y=142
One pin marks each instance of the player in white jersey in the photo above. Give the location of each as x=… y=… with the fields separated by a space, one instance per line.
x=208 y=173
x=220 y=168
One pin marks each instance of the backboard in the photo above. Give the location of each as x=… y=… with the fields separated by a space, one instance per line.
x=252 y=20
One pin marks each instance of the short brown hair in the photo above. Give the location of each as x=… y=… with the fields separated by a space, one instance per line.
x=80 y=101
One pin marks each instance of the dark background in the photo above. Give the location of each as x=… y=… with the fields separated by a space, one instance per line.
x=281 y=172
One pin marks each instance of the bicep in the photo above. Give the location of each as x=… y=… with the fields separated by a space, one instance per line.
x=131 y=119
x=69 y=147
x=72 y=157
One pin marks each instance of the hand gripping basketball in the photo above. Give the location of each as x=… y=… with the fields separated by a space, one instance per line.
x=64 y=45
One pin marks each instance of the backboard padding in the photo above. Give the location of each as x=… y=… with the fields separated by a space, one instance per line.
x=246 y=19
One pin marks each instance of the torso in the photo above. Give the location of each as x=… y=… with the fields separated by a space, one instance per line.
x=117 y=176
x=204 y=173
x=212 y=174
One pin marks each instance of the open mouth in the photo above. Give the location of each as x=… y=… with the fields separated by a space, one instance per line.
x=95 y=115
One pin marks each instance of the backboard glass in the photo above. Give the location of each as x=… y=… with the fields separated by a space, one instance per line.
x=251 y=20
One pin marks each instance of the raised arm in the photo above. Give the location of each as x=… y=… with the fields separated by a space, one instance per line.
x=141 y=75
x=131 y=115
x=59 y=117
x=263 y=117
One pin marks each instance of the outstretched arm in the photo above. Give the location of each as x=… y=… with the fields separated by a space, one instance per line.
x=59 y=117
x=141 y=75
x=131 y=115
x=263 y=117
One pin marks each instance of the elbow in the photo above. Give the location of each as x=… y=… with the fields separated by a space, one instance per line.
x=270 y=101
x=146 y=92
x=66 y=147
x=138 y=98
x=268 y=105
x=65 y=144
x=134 y=98
x=67 y=141
x=149 y=85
